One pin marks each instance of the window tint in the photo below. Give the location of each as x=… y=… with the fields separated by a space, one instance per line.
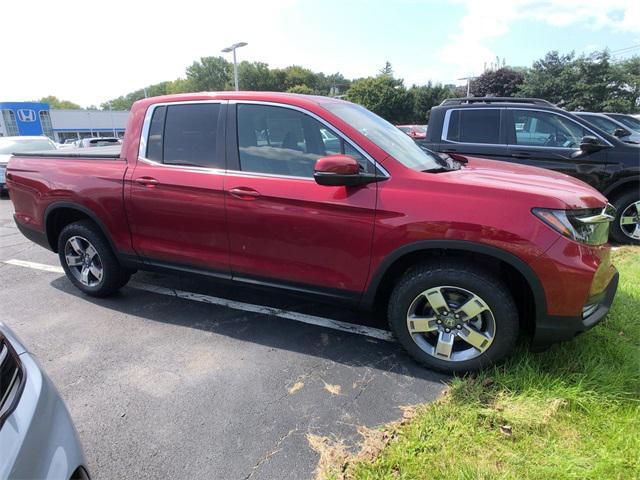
x=602 y=123
x=546 y=129
x=156 y=132
x=474 y=126
x=188 y=136
x=631 y=122
x=283 y=141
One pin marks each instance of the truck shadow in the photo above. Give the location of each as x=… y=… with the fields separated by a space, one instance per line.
x=349 y=349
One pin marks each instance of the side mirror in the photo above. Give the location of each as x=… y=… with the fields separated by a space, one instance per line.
x=621 y=132
x=340 y=170
x=588 y=145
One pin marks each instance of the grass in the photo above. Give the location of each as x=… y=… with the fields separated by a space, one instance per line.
x=571 y=412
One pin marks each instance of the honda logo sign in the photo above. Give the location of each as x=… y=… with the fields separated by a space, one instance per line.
x=26 y=115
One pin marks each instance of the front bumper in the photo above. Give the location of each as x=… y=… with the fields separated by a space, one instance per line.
x=553 y=329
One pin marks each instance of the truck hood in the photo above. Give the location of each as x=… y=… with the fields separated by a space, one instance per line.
x=570 y=192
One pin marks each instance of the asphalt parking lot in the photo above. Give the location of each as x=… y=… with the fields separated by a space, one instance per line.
x=178 y=377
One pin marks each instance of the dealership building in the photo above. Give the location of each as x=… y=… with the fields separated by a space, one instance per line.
x=33 y=118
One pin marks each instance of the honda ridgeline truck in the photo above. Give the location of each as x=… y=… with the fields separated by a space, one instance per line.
x=320 y=196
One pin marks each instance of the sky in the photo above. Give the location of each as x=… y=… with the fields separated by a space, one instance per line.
x=89 y=52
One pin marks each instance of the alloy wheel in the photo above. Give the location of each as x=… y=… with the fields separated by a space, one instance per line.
x=630 y=221
x=451 y=323
x=83 y=261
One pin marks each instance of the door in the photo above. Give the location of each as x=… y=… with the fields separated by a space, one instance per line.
x=474 y=132
x=548 y=139
x=283 y=226
x=176 y=200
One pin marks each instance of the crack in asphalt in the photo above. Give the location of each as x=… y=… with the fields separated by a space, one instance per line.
x=273 y=451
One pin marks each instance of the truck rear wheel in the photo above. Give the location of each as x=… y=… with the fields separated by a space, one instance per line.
x=88 y=260
x=453 y=317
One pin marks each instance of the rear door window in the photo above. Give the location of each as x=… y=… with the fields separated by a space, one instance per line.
x=185 y=134
x=480 y=125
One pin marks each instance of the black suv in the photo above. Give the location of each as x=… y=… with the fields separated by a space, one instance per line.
x=535 y=132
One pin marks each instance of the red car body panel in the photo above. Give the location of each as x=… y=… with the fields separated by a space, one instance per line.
x=294 y=230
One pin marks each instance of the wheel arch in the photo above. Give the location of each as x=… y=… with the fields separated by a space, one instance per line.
x=521 y=274
x=60 y=214
x=622 y=186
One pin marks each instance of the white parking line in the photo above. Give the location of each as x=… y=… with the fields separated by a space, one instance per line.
x=34 y=265
x=246 y=307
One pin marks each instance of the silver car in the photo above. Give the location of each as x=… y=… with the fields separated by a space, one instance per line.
x=37 y=437
x=9 y=145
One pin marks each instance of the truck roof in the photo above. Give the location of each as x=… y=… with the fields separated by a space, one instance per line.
x=291 y=98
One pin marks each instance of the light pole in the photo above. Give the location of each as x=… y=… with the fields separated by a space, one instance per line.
x=233 y=48
x=468 y=79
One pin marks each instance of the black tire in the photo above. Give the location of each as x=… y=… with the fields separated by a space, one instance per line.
x=622 y=203
x=456 y=274
x=114 y=276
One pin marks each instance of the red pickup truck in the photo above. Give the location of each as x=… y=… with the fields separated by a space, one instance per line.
x=322 y=197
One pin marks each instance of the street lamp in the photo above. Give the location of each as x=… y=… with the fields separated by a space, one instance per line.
x=468 y=79
x=233 y=48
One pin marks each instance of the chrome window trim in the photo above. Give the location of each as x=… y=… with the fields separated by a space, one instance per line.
x=333 y=128
x=144 y=134
x=445 y=129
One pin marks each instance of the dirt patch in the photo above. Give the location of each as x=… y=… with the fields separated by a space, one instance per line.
x=336 y=458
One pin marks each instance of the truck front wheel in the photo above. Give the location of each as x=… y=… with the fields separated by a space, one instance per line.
x=453 y=317
x=88 y=260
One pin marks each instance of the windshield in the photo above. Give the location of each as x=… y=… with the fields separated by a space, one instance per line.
x=627 y=120
x=15 y=145
x=384 y=135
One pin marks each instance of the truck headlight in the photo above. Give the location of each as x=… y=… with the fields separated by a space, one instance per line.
x=590 y=226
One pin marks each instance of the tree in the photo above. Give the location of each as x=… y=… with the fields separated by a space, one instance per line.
x=383 y=95
x=593 y=82
x=503 y=82
x=256 y=76
x=210 y=74
x=387 y=69
x=296 y=75
x=301 y=89
x=425 y=97
x=56 y=103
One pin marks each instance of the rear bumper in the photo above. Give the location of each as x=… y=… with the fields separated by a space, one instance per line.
x=553 y=329
x=34 y=235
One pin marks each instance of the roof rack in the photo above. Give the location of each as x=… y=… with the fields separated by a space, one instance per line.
x=460 y=101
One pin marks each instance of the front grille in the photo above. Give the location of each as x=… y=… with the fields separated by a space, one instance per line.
x=12 y=378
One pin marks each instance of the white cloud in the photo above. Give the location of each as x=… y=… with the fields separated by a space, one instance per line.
x=467 y=52
x=89 y=52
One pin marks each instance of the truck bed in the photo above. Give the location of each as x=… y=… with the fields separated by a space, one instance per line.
x=91 y=152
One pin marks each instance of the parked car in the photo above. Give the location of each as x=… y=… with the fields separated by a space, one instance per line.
x=629 y=121
x=611 y=126
x=414 y=131
x=9 y=145
x=98 y=142
x=465 y=254
x=536 y=133
x=37 y=436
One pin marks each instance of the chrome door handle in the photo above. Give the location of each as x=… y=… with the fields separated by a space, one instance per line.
x=147 y=181
x=244 y=193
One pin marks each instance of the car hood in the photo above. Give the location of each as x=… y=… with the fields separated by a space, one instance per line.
x=568 y=191
x=4 y=159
